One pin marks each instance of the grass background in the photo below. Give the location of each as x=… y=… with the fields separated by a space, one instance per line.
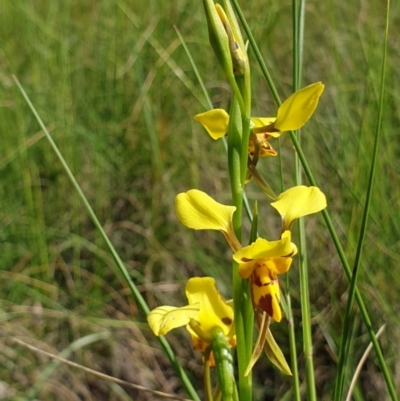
x=113 y=84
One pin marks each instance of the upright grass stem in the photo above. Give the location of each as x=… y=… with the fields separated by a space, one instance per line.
x=120 y=265
x=353 y=285
x=298 y=16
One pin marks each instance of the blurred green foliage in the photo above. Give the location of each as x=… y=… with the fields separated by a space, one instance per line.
x=115 y=87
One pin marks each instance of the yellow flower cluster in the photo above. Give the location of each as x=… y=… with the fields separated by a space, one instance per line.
x=263 y=260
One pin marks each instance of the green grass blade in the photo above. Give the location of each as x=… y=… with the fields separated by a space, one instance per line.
x=346 y=334
x=298 y=15
x=121 y=267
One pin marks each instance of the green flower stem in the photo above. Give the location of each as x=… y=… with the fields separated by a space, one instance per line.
x=234 y=164
x=325 y=214
x=121 y=267
x=239 y=297
x=352 y=291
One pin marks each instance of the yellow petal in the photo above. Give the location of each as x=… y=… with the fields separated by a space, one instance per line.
x=276 y=265
x=246 y=268
x=166 y=318
x=215 y=122
x=298 y=108
x=214 y=311
x=261 y=249
x=298 y=202
x=262 y=121
x=195 y=209
x=266 y=294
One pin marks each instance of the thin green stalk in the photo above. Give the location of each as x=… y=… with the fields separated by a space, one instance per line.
x=325 y=213
x=303 y=263
x=121 y=267
x=292 y=347
x=306 y=314
x=357 y=265
x=234 y=163
x=195 y=69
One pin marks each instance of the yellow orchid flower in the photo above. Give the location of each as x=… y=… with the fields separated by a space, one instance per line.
x=206 y=311
x=294 y=112
x=262 y=261
x=197 y=210
x=297 y=202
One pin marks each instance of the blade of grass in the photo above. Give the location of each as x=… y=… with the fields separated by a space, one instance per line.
x=121 y=267
x=361 y=364
x=325 y=213
x=292 y=346
x=298 y=16
x=363 y=230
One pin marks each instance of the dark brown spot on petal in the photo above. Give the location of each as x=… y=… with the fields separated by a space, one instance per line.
x=227 y=321
x=257 y=280
x=265 y=303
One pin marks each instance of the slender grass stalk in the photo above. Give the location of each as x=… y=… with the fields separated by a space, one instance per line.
x=325 y=213
x=292 y=346
x=195 y=69
x=357 y=265
x=298 y=16
x=357 y=372
x=121 y=267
